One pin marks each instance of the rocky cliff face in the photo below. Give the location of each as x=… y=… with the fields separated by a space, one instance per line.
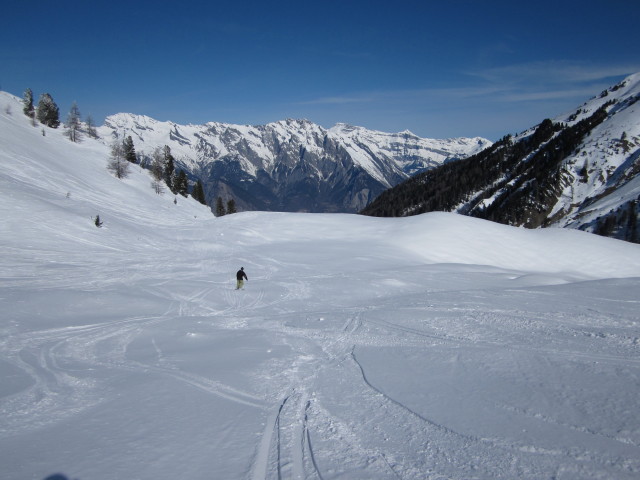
x=291 y=165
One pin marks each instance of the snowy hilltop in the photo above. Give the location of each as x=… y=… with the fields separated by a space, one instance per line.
x=428 y=347
x=580 y=170
x=291 y=165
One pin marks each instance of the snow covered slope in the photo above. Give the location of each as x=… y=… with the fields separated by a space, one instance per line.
x=430 y=347
x=291 y=165
x=604 y=170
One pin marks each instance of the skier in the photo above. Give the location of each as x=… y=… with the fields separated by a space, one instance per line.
x=240 y=276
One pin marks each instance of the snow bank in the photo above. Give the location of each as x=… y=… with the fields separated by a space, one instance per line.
x=450 y=238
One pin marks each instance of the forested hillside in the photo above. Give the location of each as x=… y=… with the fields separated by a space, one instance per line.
x=563 y=173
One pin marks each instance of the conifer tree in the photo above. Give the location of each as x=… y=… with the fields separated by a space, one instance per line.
x=231 y=206
x=73 y=123
x=181 y=183
x=118 y=164
x=27 y=101
x=220 y=211
x=129 y=150
x=48 y=112
x=198 y=193
x=168 y=167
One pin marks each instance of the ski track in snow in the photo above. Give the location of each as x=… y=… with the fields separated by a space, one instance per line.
x=331 y=409
x=56 y=360
x=507 y=460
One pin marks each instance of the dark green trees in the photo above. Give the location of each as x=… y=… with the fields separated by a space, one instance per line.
x=129 y=150
x=220 y=210
x=181 y=183
x=27 y=101
x=48 y=112
x=198 y=193
x=168 y=167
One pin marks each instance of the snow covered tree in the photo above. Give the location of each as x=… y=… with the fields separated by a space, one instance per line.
x=220 y=211
x=231 y=206
x=129 y=150
x=73 y=123
x=198 y=193
x=48 y=112
x=118 y=164
x=27 y=101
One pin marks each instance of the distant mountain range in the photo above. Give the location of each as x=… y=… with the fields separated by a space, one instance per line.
x=579 y=170
x=290 y=165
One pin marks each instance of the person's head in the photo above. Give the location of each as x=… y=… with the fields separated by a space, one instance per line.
x=241 y=268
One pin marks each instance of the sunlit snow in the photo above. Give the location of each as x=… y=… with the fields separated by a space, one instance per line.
x=429 y=347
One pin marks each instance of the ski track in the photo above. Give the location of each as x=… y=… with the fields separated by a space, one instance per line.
x=286 y=447
x=60 y=390
x=59 y=358
x=301 y=461
x=55 y=359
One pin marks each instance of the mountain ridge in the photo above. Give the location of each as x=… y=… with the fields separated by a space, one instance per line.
x=291 y=164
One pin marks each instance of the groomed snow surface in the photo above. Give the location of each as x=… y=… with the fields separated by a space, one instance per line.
x=431 y=347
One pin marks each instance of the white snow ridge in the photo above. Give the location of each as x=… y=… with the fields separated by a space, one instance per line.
x=429 y=347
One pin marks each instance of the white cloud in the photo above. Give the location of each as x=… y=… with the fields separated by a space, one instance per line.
x=553 y=72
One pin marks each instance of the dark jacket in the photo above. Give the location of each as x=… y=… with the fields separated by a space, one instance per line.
x=240 y=275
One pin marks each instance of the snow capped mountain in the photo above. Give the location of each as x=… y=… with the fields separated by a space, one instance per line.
x=602 y=174
x=580 y=170
x=410 y=153
x=291 y=165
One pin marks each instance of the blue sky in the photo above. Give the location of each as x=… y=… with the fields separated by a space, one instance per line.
x=440 y=69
